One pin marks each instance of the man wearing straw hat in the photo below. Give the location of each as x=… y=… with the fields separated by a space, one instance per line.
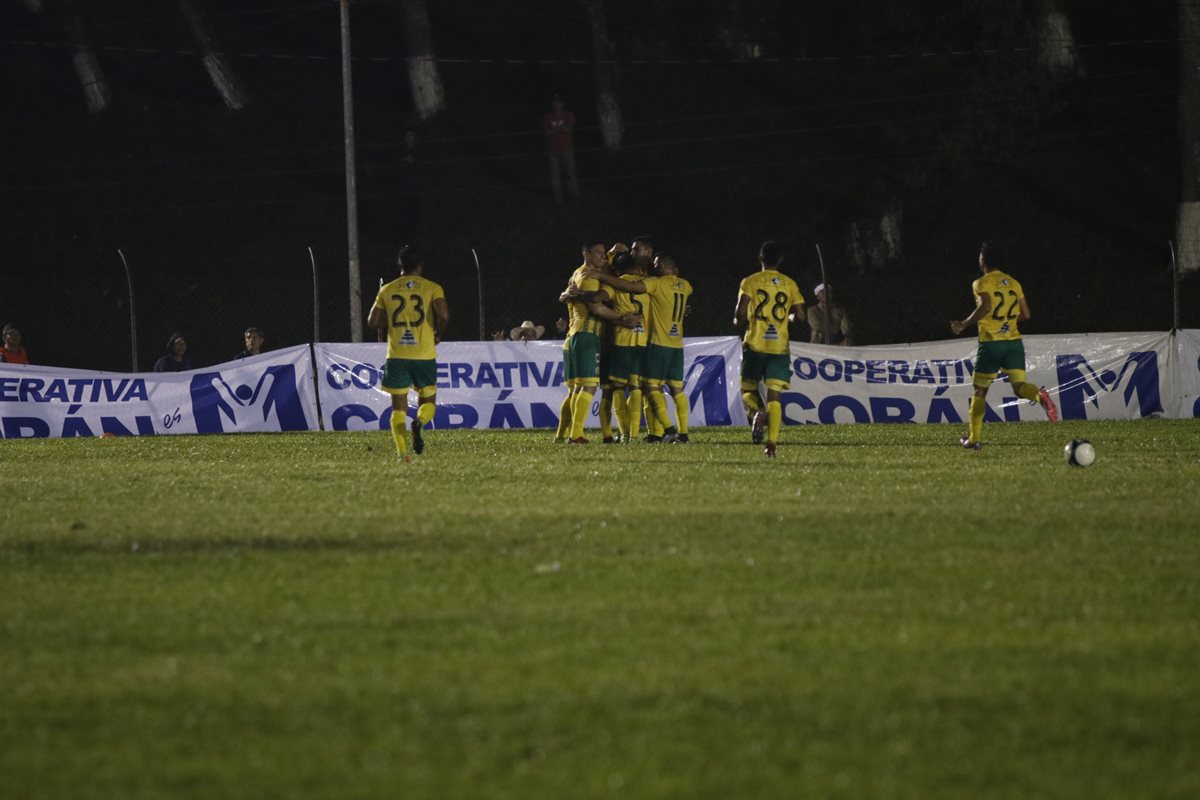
x=527 y=332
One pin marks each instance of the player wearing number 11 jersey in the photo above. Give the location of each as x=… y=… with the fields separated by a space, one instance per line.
x=413 y=311
x=766 y=302
x=999 y=305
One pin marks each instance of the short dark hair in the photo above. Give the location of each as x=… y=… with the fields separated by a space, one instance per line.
x=770 y=253
x=622 y=263
x=643 y=239
x=253 y=329
x=993 y=253
x=410 y=258
x=588 y=245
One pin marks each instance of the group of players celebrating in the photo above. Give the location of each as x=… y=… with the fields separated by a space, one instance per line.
x=627 y=306
x=626 y=309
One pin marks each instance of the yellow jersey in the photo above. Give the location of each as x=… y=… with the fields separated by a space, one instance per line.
x=668 y=302
x=407 y=303
x=631 y=303
x=772 y=296
x=579 y=315
x=1005 y=290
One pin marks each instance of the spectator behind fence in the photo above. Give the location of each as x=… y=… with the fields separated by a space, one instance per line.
x=13 y=352
x=176 y=358
x=527 y=332
x=839 y=323
x=559 y=127
x=254 y=343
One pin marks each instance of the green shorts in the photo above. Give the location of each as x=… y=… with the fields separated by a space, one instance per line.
x=991 y=357
x=583 y=358
x=758 y=366
x=664 y=363
x=627 y=364
x=401 y=373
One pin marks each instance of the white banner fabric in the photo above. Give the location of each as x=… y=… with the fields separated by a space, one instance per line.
x=1187 y=373
x=270 y=392
x=506 y=384
x=1090 y=376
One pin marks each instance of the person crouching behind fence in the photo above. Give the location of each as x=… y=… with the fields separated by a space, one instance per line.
x=412 y=311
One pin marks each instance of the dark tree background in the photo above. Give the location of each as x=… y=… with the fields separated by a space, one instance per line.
x=896 y=135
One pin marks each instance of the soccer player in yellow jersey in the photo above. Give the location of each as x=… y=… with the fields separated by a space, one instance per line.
x=627 y=360
x=587 y=315
x=669 y=293
x=767 y=301
x=999 y=305
x=412 y=310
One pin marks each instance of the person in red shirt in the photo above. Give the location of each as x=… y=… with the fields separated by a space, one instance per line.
x=13 y=352
x=559 y=127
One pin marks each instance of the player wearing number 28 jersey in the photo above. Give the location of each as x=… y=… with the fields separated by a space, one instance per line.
x=999 y=305
x=766 y=301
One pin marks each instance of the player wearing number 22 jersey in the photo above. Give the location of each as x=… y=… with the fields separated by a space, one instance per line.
x=766 y=301
x=999 y=305
x=413 y=311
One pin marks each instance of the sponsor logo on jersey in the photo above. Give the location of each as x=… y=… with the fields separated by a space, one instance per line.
x=408 y=337
x=674 y=332
x=772 y=333
x=410 y=284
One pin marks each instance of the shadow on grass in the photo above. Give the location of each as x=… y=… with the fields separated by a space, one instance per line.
x=232 y=545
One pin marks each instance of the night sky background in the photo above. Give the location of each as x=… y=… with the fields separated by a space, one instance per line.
x=937 y=115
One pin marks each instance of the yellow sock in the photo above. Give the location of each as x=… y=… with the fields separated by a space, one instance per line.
x=564 y=418
x=751 y=401
x=774 y=420
x=425 y=413
x=652 y=426
x=398 y=425
x=661 y=418
x=634 y=410
x=622 y=407
x=606 y=404
x=681 y=412
x=579 y=412
x=978 y=406
x=1027 y=391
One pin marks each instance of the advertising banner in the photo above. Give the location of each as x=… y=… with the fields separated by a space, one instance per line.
x=506 y=384
x=520 y=385
x=1090 y=376
x=1187 y=373
x=271 y=392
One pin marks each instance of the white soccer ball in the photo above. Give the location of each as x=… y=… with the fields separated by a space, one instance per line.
x=1079 y=453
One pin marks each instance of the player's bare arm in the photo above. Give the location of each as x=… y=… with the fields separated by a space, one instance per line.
x=620 y=284
x=983 y=307
x=602 y=311
x=441 y=318
x=740 y=319
x=1023 y=313
x=377 y=319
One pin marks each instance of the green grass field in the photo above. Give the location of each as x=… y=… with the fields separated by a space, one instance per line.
x=877 y=613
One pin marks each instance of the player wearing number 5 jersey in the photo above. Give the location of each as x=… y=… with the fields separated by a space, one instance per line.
x=999 y=305
x=413 y=311
x=767 y=301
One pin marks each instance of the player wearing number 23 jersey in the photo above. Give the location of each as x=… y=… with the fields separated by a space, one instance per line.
x=412 y=310
x=407 y=303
